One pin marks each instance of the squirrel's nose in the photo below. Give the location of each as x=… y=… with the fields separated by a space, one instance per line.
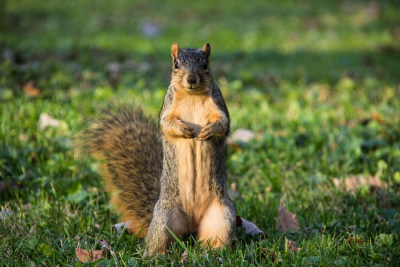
x=191 y=78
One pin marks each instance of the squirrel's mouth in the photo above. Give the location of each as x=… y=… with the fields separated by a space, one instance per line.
x=191 y=81
x=191 y=86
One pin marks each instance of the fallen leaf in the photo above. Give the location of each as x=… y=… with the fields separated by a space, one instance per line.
x=104 y=245
x=30 y=90
x=249 y=227
x=119 y=226
x=185 y=257
x=106 y=248
x=354 y=240
x=286 y=221
x=352 y=183
x=241 y=135
x=85 y=255
x=291 y=245
x=46 y=120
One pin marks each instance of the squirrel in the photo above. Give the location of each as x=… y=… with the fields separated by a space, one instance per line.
x=171 y=175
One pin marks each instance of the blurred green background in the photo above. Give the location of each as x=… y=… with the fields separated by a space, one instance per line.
x=303 y=41
x=317 y=82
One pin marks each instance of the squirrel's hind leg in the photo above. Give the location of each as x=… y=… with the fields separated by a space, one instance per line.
x=158 y=239
x=218 y=226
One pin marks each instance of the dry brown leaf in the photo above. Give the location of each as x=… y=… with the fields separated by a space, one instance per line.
x=85 y=255
x=292 y=246
x=354 y=240
x=185 y=257
x=30 y=90
x=286 y=221
x=352 y=183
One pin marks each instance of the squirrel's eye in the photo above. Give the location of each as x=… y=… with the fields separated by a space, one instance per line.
x=176 y=64
x=205 y=66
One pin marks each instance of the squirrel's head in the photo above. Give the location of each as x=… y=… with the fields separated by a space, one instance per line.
x=190 y=67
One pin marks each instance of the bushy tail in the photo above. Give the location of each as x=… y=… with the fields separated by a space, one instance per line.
x=130 y=145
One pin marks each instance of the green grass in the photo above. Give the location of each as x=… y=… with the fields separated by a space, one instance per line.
x=317 y=81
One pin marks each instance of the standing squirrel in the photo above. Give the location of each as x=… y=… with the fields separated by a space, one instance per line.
x=172 y=174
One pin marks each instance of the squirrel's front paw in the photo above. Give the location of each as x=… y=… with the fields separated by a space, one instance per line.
x=187 y=131
x=206 y=133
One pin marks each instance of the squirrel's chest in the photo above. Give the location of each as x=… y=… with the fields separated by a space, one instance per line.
x=194 y=157
x=196 y=111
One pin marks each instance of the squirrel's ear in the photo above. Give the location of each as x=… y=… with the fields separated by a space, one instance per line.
x=207 y=49
x=174 y=50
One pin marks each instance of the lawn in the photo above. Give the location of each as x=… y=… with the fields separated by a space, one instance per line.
x=317 y=82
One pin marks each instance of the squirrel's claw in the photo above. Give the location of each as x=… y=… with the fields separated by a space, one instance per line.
x=205 y=134
x=187 y=131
